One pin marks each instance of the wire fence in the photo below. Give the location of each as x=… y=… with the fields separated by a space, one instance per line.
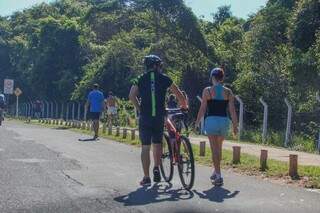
x=297 y=130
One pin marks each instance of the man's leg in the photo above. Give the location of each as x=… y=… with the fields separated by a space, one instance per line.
x=108 y=119
x=157 y=136
x=145 y=137
x=111 y=119
x=145 y=159
x=96 y=128
x=157 y=153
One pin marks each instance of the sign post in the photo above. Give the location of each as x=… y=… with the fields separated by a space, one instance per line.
x=241 y=110
x=17 y=92
x=8 y=88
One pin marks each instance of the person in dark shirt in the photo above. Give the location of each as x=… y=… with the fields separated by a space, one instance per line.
x=172 y=103
x=152 y=89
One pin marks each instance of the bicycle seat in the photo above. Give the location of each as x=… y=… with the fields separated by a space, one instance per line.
x=173 y=110
x=177 y=116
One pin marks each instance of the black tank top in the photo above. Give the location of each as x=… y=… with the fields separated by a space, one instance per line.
x=217 y=106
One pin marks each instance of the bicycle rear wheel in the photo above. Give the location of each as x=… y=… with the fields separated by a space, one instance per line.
x=186 y=164
x=166 y=166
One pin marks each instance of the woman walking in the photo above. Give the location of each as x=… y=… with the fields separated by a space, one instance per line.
x=216 y=100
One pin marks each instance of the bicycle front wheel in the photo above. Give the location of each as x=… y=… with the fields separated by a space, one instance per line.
x=186 y=164
x=166 y=165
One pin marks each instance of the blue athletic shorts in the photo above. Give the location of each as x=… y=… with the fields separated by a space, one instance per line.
x=216 y=125
x=95 y=115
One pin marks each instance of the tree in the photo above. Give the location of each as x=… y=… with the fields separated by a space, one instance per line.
x=224 y=13
x=305 y=23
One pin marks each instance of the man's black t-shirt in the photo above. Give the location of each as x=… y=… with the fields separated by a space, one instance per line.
x=153 y=88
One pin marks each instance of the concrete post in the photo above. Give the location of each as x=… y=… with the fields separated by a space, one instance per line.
x=47 y=113
x=265 y=120
x=62 y=111
x=67 y=112
x=26 y=109
x=202 y=150
x=236 y=154
x=42 y=110
x=133 y=134
x=124 y=135
x=263 y=160
x=79 y=110
x=318 y=99
x=73 y=111
x=241 y=110
x=28 y=106
x=30 y=109
x=26 y=113
x=293 y=166
x=51 y=110
x=289 y=118
x=57 y=110
x=84 y=113
x=118 y=131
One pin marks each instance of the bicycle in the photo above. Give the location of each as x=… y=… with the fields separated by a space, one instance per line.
x=177 y=150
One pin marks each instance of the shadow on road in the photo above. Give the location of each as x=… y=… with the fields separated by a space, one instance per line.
x=216 y=194
x=61 y=128
x=155 y=194
x=87 y=139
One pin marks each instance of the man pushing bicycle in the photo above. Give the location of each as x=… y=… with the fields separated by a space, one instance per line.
x=152 y=88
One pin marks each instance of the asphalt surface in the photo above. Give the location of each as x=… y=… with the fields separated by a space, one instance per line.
x=49 y=170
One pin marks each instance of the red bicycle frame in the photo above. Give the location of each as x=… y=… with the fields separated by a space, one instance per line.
x=175 y=144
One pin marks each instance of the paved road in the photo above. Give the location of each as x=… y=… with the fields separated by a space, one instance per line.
x=49 y=170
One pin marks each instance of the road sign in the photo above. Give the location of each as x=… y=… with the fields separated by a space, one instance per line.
x=8 y=86
x=17 y=91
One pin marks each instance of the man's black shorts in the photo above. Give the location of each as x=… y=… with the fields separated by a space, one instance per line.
x=151 y=130
x=95 y=115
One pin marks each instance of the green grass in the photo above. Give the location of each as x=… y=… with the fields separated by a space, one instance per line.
x=249 y=165
x=274 y=138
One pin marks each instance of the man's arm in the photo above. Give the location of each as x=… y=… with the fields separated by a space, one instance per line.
x=181 y=99
x=133 y=96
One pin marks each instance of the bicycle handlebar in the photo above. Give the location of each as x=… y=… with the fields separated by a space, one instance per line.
x=177 y=111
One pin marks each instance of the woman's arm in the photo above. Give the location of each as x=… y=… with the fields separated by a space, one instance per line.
x=203 y=107
x=233 y=113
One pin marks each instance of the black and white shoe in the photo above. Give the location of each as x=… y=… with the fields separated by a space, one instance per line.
x=156 y=175
x=218 y=181
x=146 y=181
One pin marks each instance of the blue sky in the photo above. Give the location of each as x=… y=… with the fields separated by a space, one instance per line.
x=240 y=8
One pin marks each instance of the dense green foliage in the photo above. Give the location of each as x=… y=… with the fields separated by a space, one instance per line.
x=58 y=51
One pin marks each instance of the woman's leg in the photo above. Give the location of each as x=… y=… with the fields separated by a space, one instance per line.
x=213 y=140
x=218 y=153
